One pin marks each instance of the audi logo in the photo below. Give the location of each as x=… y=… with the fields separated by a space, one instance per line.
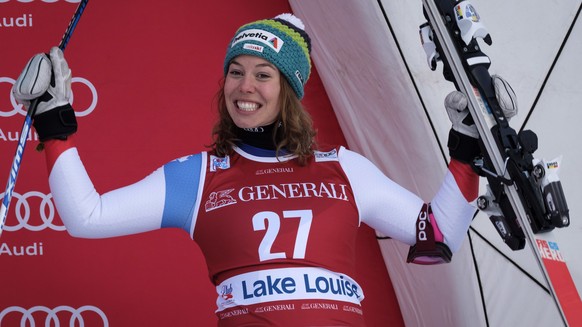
x=23 y=209
x=53 y=318
x=18 y=109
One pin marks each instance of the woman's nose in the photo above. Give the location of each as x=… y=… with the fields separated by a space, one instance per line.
x=247 y=84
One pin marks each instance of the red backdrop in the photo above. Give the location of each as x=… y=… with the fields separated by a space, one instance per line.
x=145 y=74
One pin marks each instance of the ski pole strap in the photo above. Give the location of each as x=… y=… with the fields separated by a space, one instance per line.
x=57 y=123
x=427 y=251
x=462 y=147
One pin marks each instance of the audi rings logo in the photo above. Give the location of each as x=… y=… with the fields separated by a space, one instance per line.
x=18 y=109
x=54 y=317
x=30 y=203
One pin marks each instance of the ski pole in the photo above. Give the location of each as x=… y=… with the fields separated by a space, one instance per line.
x=15 y=167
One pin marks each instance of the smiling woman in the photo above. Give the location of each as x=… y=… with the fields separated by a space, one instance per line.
x=176 y=106
x=251 y=91
x=254 y=94
x=275 y=215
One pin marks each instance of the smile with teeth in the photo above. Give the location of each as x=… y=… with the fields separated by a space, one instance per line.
x=247 y=106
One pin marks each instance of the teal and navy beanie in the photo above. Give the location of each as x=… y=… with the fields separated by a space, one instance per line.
x=282 y=41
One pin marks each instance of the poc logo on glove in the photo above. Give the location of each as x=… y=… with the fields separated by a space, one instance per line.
x=421 y=225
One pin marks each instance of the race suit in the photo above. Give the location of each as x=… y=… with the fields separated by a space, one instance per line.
x=278 y=237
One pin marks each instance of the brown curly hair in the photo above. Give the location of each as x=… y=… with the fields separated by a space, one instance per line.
x=297 y=136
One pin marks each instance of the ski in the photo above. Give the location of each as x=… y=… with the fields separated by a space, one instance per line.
x=524 y=194
x=523 y=191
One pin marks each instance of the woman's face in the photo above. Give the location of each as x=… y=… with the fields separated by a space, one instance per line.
x=251 y=90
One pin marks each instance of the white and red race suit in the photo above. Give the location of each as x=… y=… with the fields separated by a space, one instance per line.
x=278 y=237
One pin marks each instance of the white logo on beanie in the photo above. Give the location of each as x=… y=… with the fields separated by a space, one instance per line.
x=254 y=47
x=269 y=39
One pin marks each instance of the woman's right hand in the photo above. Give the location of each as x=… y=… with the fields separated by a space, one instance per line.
x=47 y=78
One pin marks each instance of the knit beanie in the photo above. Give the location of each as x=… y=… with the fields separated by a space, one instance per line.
x=282 y=41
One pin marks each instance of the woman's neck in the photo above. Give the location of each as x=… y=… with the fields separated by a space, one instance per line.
x=260 y=137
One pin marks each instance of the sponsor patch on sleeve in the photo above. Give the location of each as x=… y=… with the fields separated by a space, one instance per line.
x=326 y=156
x=219 y=163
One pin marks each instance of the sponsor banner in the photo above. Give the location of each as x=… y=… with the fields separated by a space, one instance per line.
x=561 y=281
x=303 y=283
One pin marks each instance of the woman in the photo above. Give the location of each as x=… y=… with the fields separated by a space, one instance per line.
x=275 y=216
